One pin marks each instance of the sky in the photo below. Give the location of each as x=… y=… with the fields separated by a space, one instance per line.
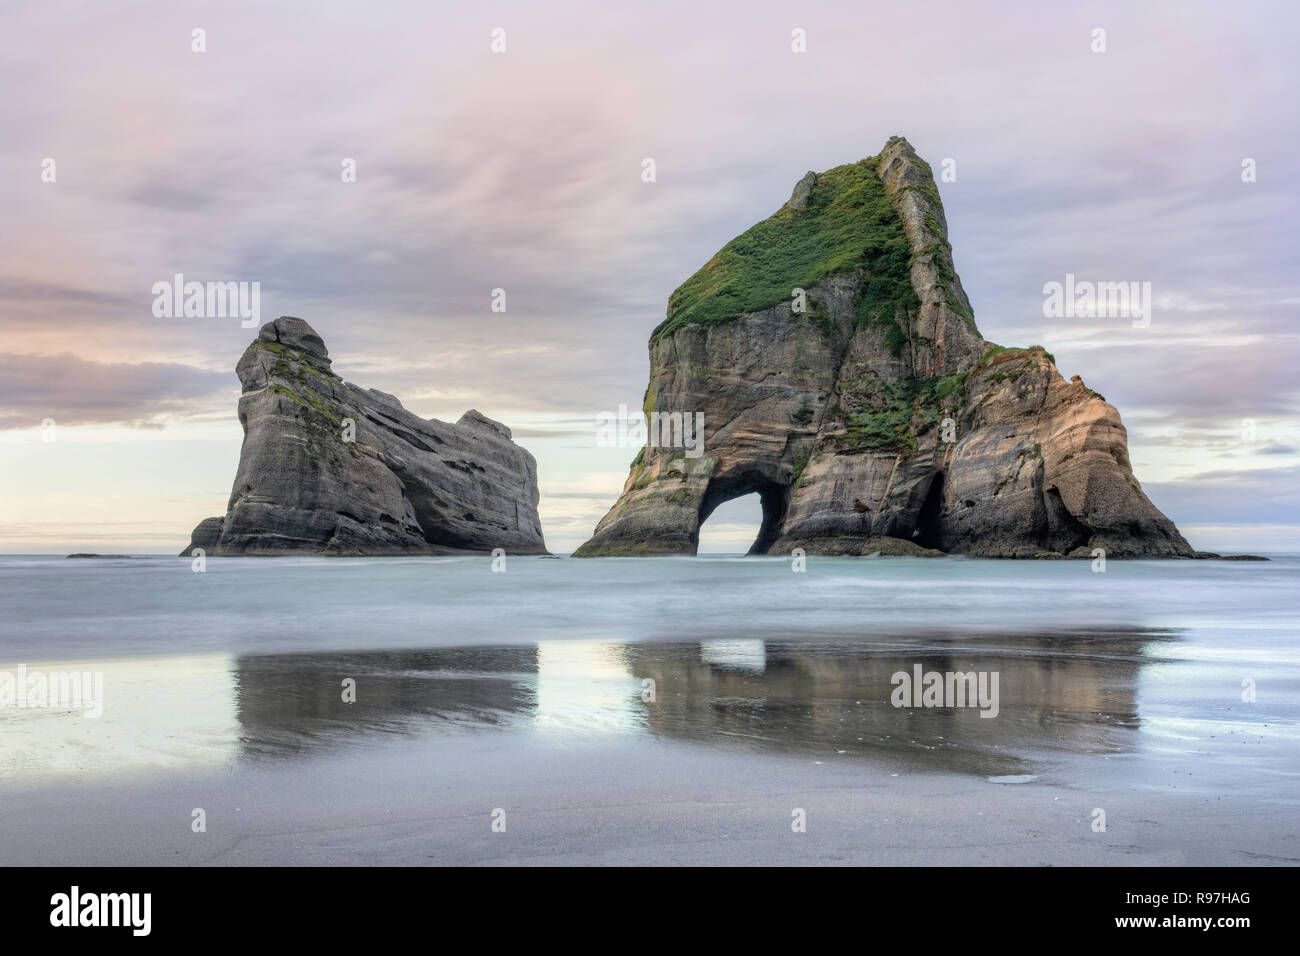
x=522 y=170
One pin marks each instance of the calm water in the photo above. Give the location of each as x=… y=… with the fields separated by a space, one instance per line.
x=1135 y=673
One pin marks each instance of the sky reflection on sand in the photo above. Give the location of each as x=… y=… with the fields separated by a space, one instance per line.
x=1091 y=694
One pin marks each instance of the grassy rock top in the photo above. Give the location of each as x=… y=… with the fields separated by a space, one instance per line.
x=846 y=226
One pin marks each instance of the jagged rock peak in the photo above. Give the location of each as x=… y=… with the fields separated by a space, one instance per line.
x=476 y=419
x=802 y=190
x=293 y=333
x=330 y=468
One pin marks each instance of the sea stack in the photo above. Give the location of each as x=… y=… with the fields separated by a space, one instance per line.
x=330 y=468
x=836 y=359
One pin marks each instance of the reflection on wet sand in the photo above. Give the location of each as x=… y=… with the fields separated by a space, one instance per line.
x=159 y=713
x=1075 y=693
x=835 y=699
x=296 y=702
x=1066 y=692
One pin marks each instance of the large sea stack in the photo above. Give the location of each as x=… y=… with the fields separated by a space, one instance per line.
x=330 y=468
x=878 y=418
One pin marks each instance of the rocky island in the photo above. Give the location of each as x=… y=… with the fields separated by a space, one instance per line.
x=330 y=468
x=875 y=417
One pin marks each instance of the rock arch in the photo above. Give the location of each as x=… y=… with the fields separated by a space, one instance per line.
x=834 y=414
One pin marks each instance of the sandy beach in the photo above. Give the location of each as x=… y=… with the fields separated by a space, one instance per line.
x=421 y=740
x=653 y=804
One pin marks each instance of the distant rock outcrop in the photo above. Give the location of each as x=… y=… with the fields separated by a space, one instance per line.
x=879 y=411
x=330 y=468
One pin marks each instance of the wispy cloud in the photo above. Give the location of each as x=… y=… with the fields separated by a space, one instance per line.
x=74 y=391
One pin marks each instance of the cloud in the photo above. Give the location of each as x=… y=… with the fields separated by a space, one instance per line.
x=74 y=391
x=16 y=290
x=1261 y=495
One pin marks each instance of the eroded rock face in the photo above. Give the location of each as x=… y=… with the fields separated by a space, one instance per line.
x=854 y=425
x=401 y=485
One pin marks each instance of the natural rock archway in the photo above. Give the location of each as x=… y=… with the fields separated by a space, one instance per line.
x=877 y=417
x=773 y=499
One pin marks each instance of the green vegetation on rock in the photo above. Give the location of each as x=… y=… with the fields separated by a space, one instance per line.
x=849 y=227
x=893 y=414
x=1001 y=363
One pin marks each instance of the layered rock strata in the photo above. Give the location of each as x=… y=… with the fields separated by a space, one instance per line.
x=330 y=468
x=836 y=359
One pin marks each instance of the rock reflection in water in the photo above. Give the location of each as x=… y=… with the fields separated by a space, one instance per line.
x=1077 y=694
x=295 y=702
x=1072 y=692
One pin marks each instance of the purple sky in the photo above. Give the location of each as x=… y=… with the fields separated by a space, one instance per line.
x=521 y=170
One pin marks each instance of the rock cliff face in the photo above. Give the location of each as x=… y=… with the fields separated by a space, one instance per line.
x=392 y=483
x=878 y=413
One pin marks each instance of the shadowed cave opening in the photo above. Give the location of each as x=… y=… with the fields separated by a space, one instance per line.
x=1064 y=532
x=755 y=502
x=927 y=521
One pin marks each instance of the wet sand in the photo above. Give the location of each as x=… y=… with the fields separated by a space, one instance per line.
x=654 y=803
x=738 y=736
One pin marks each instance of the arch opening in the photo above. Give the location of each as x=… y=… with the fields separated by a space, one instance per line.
x=733 y=526
x=772 y=501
